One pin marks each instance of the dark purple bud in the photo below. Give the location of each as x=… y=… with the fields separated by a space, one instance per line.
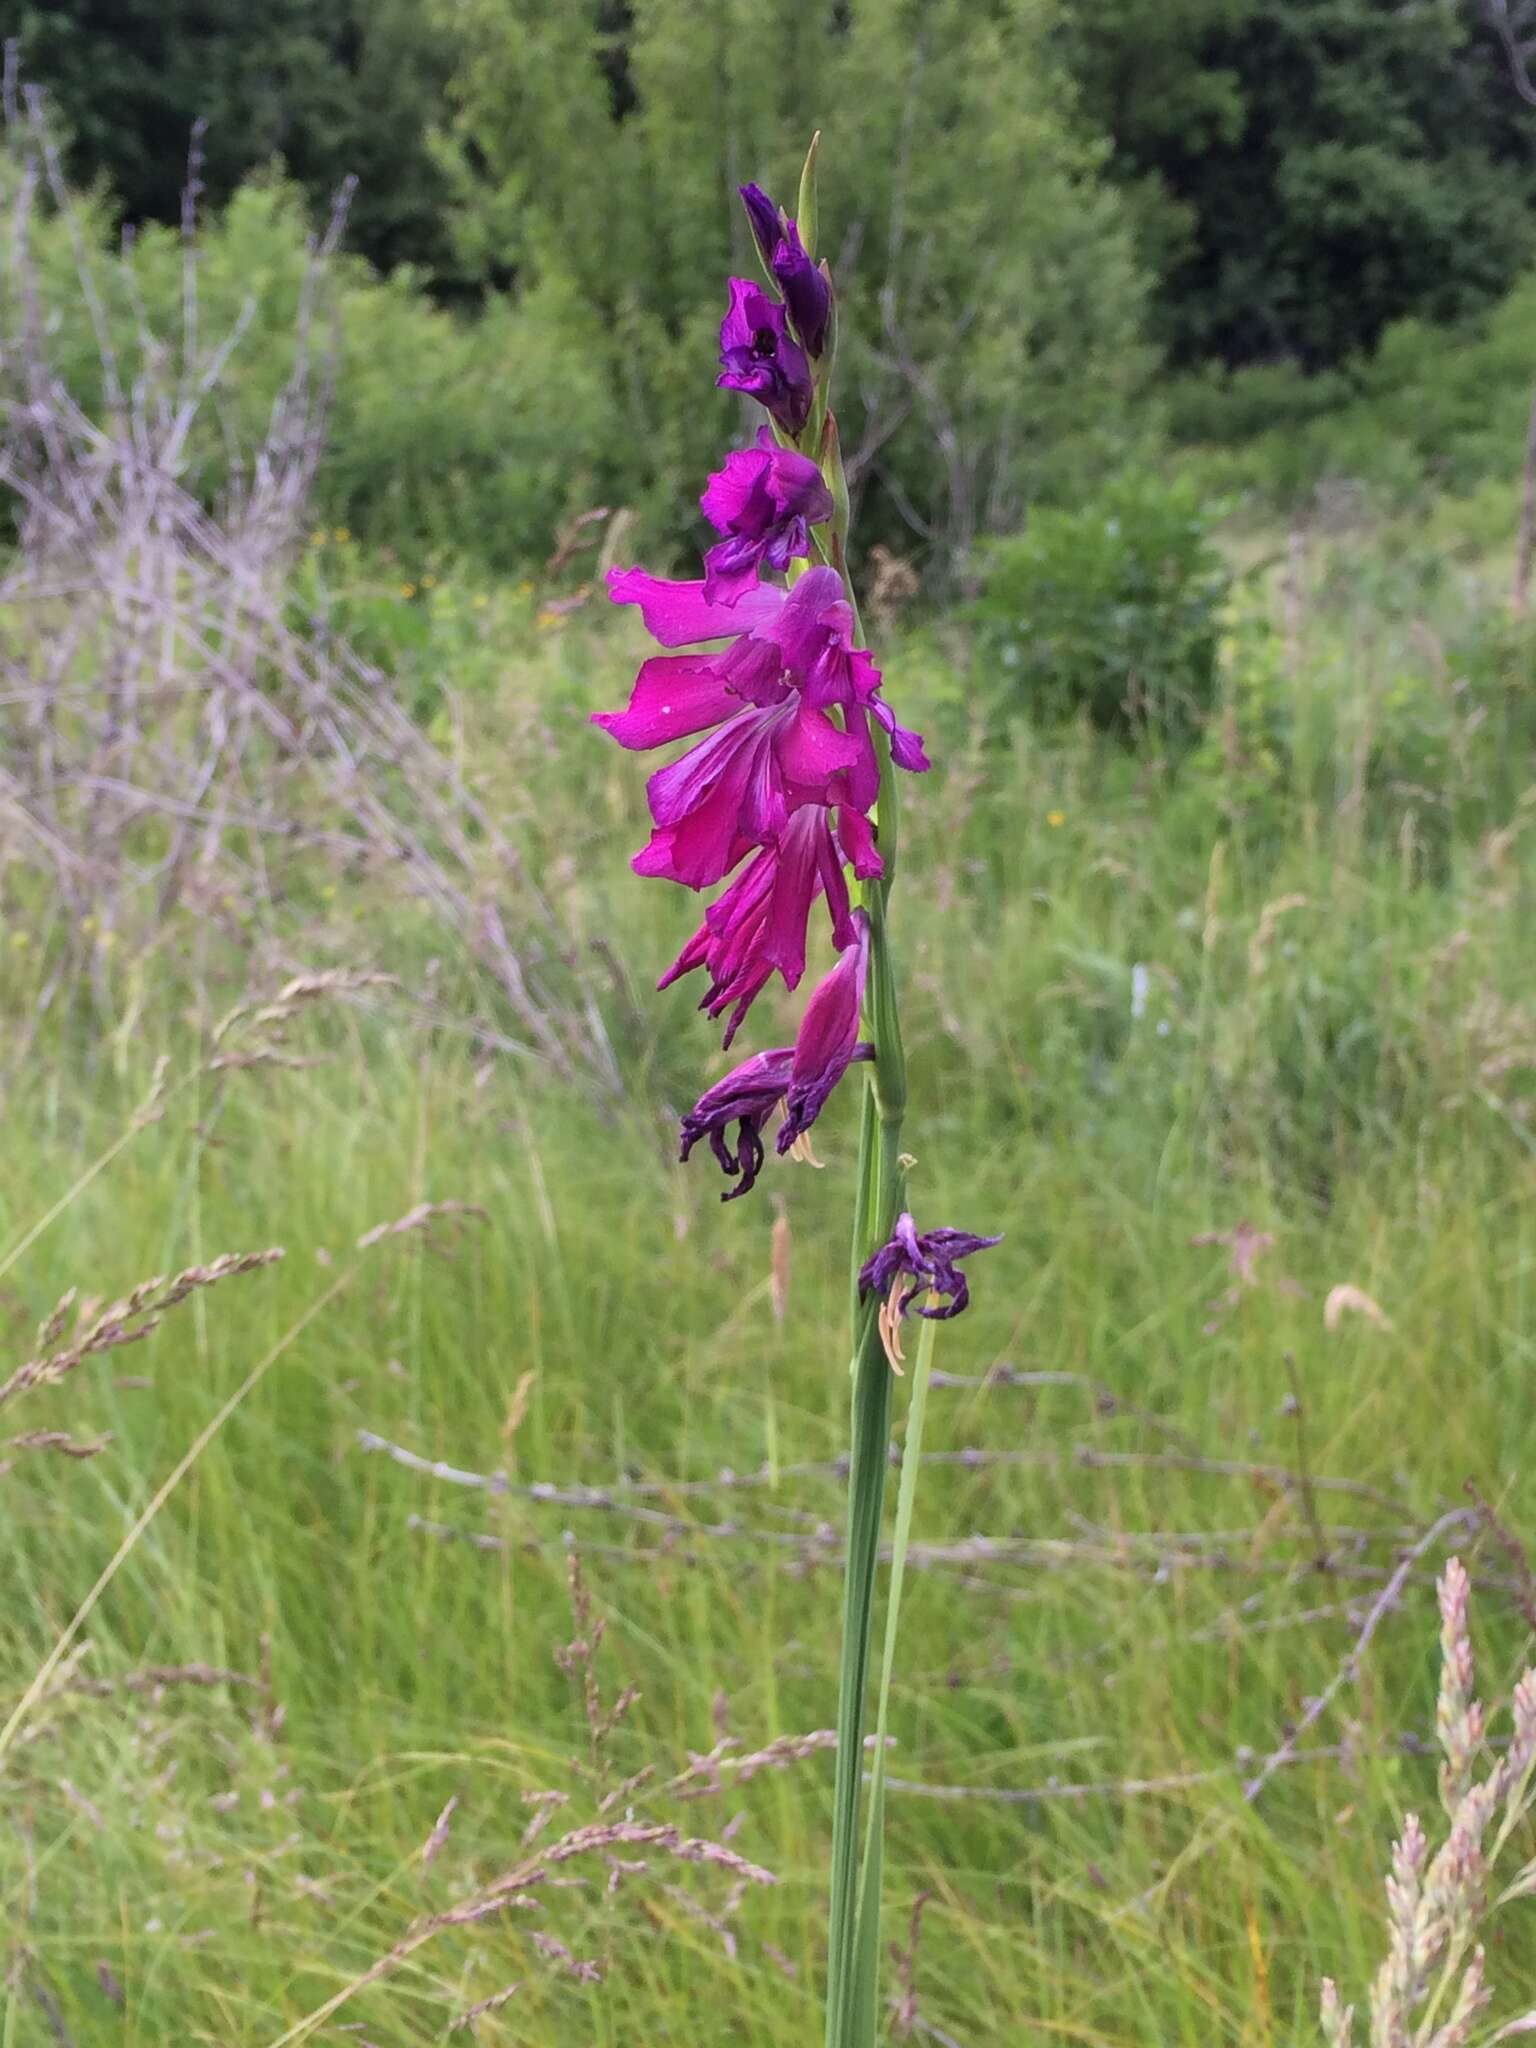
x=758 y=356
x=764 y=218
x=930 y=1262
x=828 y=1038
x=806 y=291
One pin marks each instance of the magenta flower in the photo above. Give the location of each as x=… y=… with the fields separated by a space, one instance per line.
x=759 y=357
x=746 y=1097
x=828 y=1037
x=765 y=501
x=800 y=638
x=806 y=290
x=757 y=926
x=768 y=694
x=929 y=1261
x=738 y=789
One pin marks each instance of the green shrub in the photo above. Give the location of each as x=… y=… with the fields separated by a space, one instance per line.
x=1112 y=611
x=474 y=436
x=1433 y=409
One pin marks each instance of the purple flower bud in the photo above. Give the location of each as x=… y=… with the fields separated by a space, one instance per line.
x=765 y=501
x=828 y=1037
x=806 y=291
x=931 y=1263
x=758 y=357
x=763 y=216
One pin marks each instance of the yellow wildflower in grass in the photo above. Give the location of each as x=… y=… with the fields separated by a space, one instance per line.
x=1054 y=818
x=343 y=533
x=317 y=538
x=21 y=941
x=429 y=582
x=407 y=590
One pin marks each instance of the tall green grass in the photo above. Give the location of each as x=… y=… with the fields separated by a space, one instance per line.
x=1347 y=1075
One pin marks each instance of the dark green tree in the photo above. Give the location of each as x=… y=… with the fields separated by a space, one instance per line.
x=332 y=87
x=1307 y=171
x=992 y=302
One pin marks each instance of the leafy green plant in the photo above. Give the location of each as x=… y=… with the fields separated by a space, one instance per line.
x=1111 y=611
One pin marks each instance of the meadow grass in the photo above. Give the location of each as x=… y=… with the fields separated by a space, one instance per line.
x=1327 y=1090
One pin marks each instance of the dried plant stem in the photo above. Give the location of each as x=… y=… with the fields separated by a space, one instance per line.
x=147 y=1113
x=1381 y=1606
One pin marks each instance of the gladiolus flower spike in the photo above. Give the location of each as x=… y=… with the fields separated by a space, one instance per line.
x=779 y=791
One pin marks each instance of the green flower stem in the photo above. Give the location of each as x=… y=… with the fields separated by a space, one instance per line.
x=865 y=1994
x=880 y=1194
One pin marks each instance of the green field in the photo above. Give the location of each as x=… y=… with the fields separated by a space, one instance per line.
x=1142 y=1549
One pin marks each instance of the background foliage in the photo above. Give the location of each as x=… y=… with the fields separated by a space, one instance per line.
x=1035 y=198
x=1217 y=992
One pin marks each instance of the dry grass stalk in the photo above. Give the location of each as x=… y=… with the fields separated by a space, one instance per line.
x=1432 y=1984
x=621 y=1844
x=1459 y=1519
x=904 y=2017
x=578 y=1660
x=433 y=1846
x=466 y=2020
x=127 y=1321
x=517 y=1886
x=58 y=1440
x=421 y=1219
x=1347 y=1299
x=172 y=736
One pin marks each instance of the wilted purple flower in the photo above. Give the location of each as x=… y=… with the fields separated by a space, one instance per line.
x=806 y=291
x=828 y=1037
x=746 y=1097
x=757 y=926
x=931 y=1263
x=758 y=356
x=765 y=501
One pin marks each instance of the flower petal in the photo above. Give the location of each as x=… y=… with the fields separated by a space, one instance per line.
x=680 y=615
x=811 y=749
x=673 y=695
